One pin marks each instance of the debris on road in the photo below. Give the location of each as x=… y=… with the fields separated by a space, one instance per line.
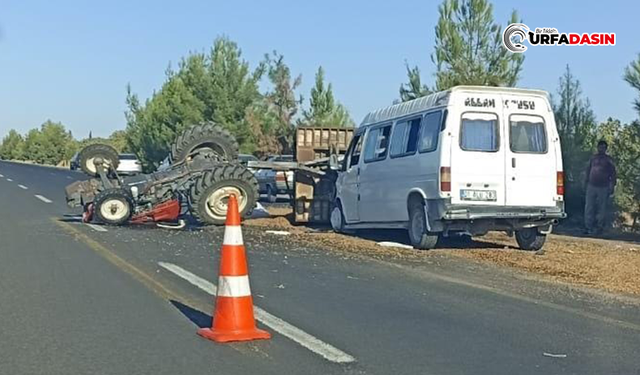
x=278 y=232
x=394 y=244
x=554 y=355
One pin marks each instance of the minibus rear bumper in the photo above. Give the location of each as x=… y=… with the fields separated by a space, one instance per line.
x=475 y=212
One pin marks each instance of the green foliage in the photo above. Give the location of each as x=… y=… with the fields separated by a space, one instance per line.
x=624 y=148
x=632 y=76
x=217 y=86
x=271 y=119
x=576 y=126
x=12 y=146
x=51 y=144
x=415 y=88
x=323 y=108
x=118 y=139
x=469 y=49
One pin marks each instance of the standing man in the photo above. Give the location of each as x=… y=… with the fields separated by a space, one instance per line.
x=600 y=181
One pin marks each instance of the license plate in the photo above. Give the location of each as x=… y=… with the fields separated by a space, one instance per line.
x=478 y=195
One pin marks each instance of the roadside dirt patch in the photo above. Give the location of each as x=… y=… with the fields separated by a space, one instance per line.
x=610 y=265
x=605 y=264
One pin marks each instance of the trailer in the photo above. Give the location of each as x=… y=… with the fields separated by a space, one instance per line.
x=318 y=152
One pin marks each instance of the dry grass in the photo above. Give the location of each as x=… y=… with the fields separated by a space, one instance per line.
x=605 y=264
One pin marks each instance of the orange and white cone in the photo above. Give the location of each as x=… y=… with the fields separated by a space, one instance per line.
x=233 y=318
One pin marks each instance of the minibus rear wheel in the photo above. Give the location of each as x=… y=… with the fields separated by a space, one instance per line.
x=418 y=234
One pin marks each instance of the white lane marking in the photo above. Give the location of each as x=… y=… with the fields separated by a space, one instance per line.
x=232 y=235
x=96 y=227
x=1 y=176
x=234 y=286
x=10 y=180
x=312 y=343
x=44 y=199
x=69 y=177
x=23 y=187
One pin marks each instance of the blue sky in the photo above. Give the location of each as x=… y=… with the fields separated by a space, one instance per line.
x=70 y=61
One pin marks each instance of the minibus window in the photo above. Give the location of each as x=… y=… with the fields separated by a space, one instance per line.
x=479 y=134
x=377 y=144
x=354 y=157
x=527 y=134
x=404 y=140
x=430 y=132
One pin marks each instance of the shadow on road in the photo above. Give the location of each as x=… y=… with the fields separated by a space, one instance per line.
x=198 y=318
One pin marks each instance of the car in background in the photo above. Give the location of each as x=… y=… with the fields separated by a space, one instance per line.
x=244 y=159
x=272 y=183
x=73 y=163
x=129 y=164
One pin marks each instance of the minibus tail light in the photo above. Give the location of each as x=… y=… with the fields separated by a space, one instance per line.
x=560 y=183
x=445 y=178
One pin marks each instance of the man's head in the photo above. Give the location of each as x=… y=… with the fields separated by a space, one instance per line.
x=602 y=147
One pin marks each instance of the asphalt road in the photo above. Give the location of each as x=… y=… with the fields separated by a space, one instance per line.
x=127 y=300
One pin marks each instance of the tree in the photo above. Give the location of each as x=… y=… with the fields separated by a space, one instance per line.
x=50 y=144
x=271 y=119
x=469 y=49
x=632 y=76
x=118 y=139
x=624 y=148
x=217 y=86
x=323 y=108
x=12 y=146
x=414 y=89
x=576 y=125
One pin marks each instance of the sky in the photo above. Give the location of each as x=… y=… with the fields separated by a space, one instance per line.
x=70 y=61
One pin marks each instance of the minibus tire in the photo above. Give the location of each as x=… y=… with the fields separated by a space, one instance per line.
x=530 y=239
x=418 y=235
x=339 y=215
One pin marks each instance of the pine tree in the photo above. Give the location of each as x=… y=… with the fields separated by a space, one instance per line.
x=576 y=125
x=12 y=146
x=217 y=86
x=414 y=89
x=632 y=76
x=323 y=108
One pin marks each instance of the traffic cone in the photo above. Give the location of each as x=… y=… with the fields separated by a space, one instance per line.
x=233 y=318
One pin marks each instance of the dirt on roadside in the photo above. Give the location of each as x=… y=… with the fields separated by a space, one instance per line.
x=610 y=265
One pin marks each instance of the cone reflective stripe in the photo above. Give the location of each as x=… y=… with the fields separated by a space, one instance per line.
x=233 y=318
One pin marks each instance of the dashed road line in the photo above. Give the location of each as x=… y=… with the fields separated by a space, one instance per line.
x=44 y=199
x=23 y=187
x=312 y=343
x=96 y=227
x=1 y=176
x=10 y=180
x=69 y=177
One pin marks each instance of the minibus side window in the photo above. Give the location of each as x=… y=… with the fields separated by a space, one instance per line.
x=479 y=133
x=377 y=143
x=430 y=132
x=404 y=140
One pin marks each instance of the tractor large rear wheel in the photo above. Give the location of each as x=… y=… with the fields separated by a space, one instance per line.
x=210 y=193
x=89 y=154
x=203 y=138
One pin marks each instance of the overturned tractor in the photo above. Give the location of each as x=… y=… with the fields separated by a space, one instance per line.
x=202 y=174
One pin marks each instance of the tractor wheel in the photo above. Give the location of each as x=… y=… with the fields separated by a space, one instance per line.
x=210 y=193
x=113 y=206
x=89 y=154
x=207 y=138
